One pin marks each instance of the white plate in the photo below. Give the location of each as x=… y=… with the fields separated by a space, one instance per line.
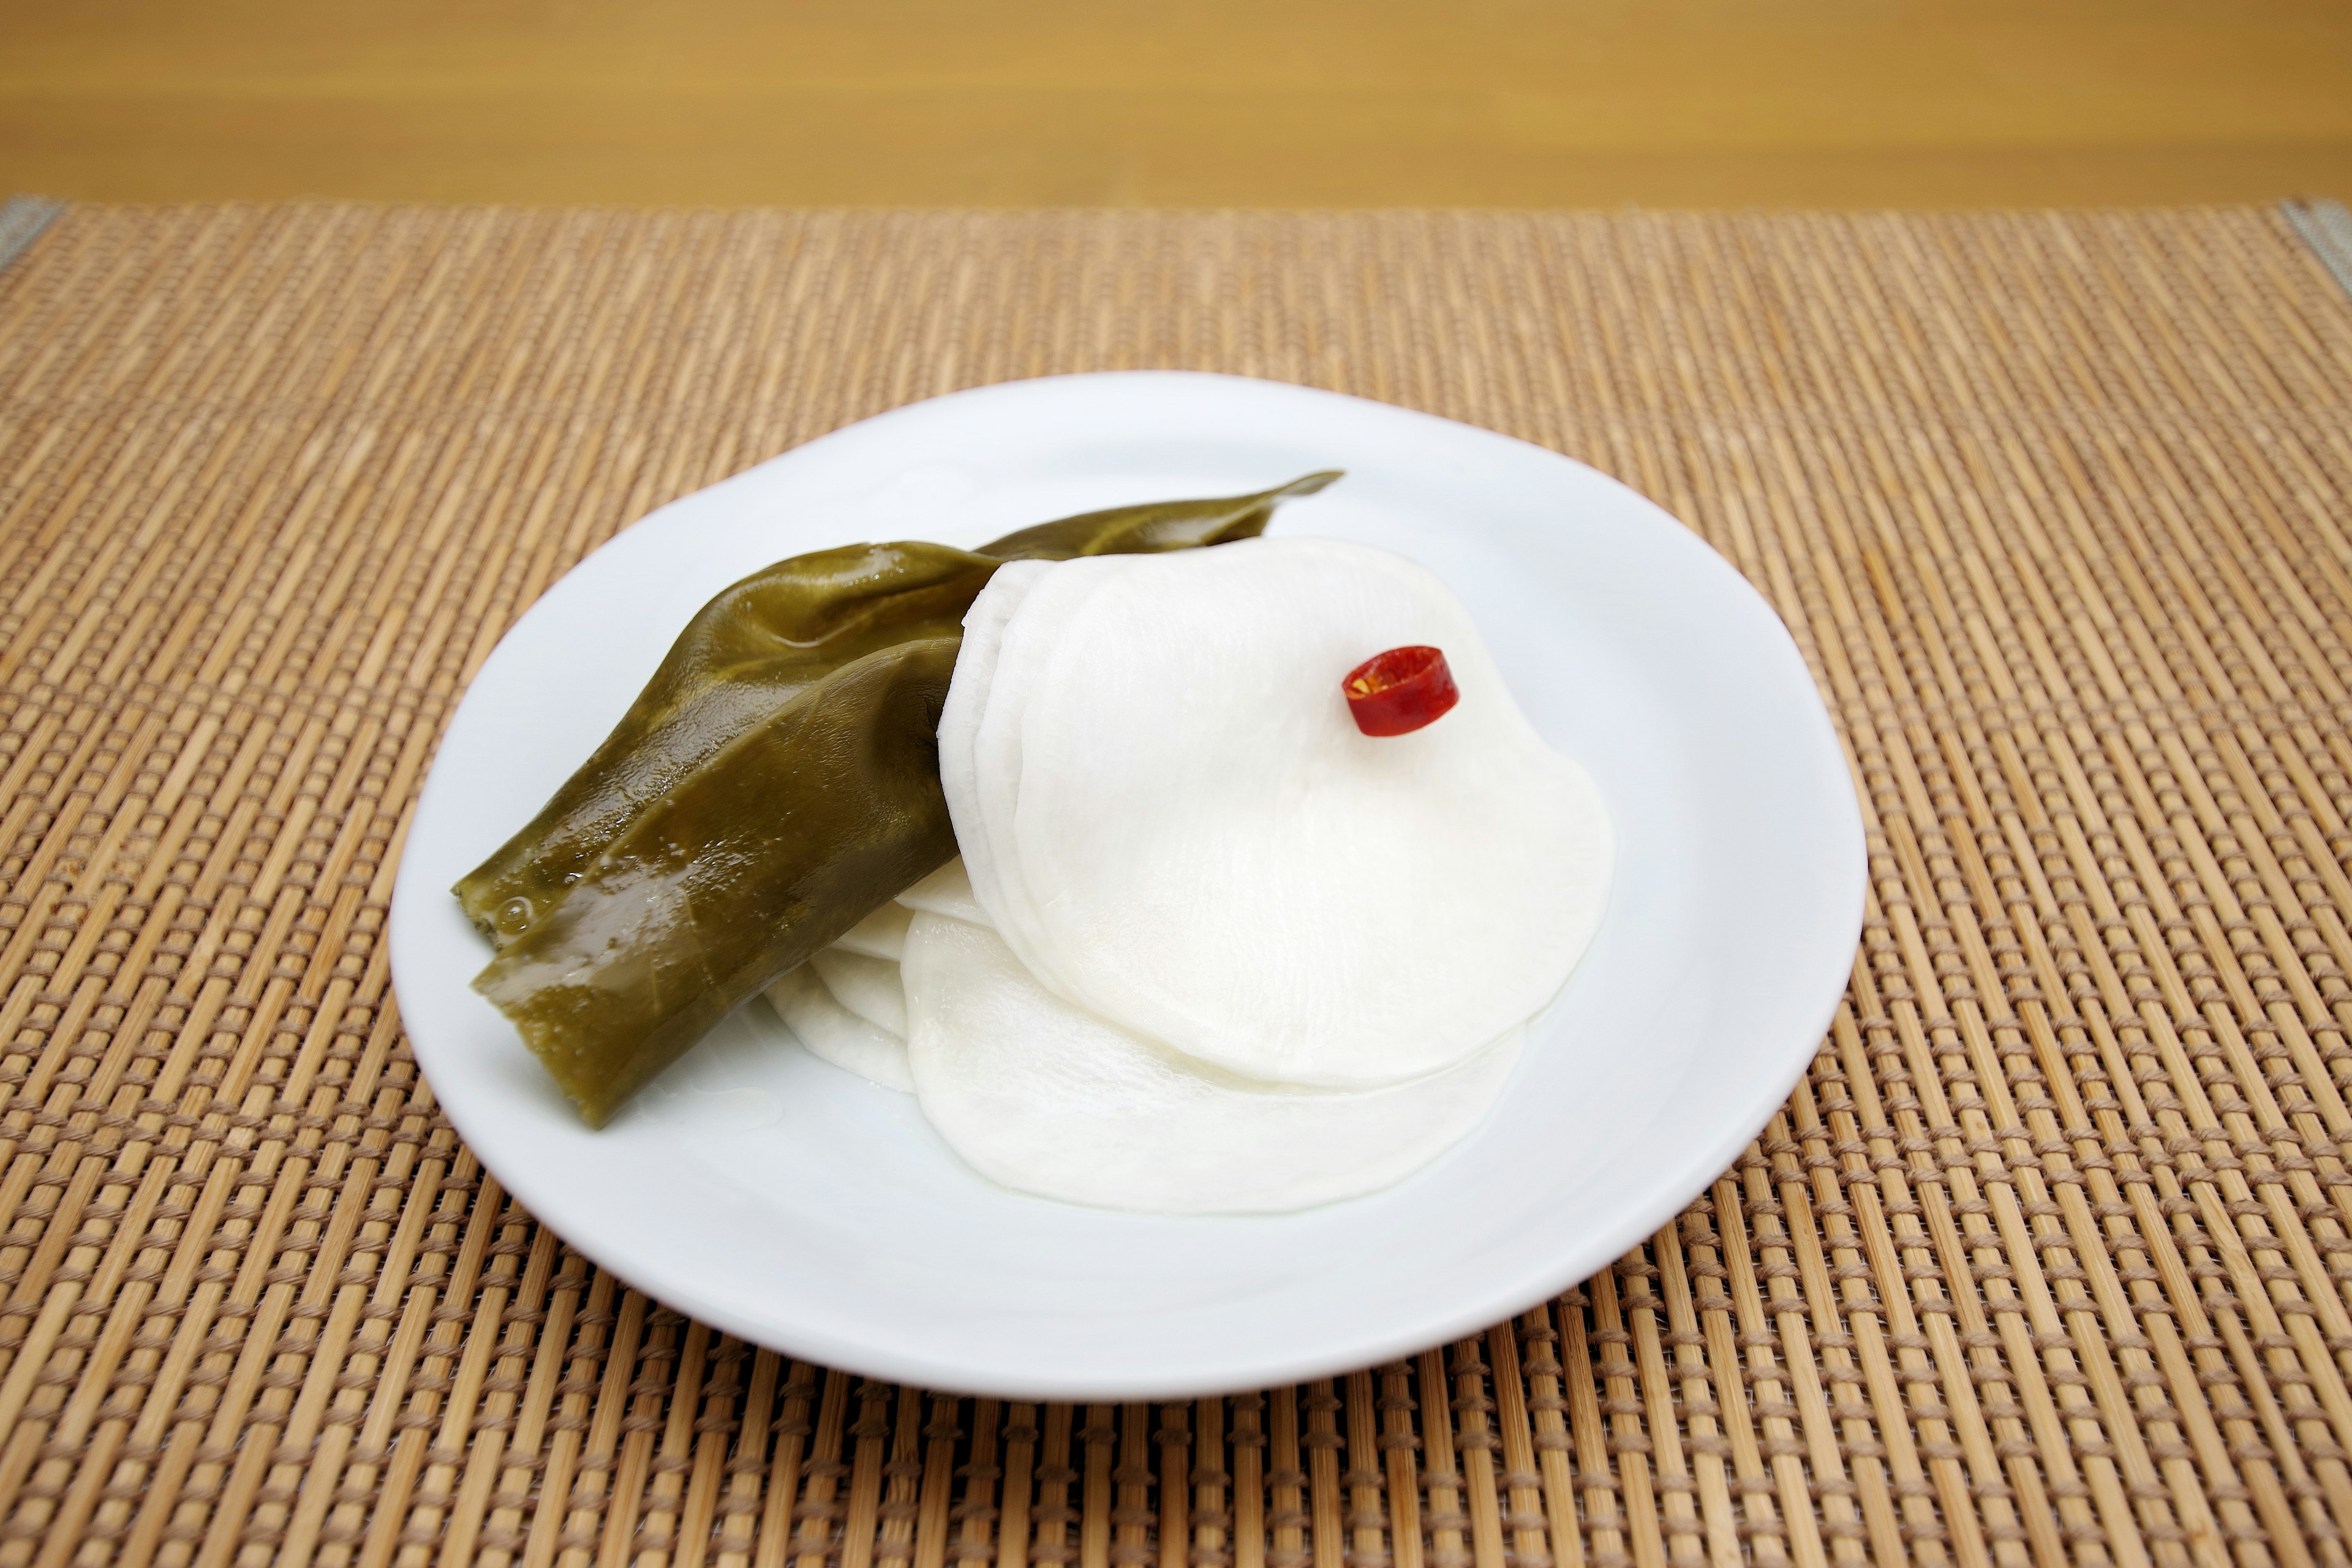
x=791 y=1203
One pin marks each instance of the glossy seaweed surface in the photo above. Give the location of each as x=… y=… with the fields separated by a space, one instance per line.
x=776 y=782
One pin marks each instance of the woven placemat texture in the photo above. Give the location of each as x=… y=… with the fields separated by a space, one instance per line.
x=2044 y=1261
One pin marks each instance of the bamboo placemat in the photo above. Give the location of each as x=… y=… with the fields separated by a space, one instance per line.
x=2044 y=1261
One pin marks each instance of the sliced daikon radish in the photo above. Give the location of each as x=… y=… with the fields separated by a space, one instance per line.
x=1189 y=836
x=946 y=891
x=834 y=1034
x=1033 y=609
x=882 y=934
x=868 y=986
x=1050 y=1099
x=960 y=719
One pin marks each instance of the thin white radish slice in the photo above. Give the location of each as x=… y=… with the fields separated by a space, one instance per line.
x=1026 y=643
x=946 y=891
x=1190 y=837
x=868 y=986
x=959 y=720
x=1044 y=1098
x=882 y=934
x=834 y=1034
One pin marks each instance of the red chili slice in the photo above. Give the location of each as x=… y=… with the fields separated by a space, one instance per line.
x=1397 y=693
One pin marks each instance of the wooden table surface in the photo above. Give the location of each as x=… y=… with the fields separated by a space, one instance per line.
x=1298 y=103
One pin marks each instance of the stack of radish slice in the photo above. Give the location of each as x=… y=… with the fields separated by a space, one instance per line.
x=1220 y=951
x=849 y=1005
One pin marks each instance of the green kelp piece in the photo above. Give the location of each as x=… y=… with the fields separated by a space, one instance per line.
x=1155 y=526
x=776 y=782
x=740 y=662
x=775 y=846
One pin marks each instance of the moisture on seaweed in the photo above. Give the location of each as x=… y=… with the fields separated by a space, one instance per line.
x=776 y=782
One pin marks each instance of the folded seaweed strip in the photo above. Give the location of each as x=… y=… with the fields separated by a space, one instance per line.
x=776 y=782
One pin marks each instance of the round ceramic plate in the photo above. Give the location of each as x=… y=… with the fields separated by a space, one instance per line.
x=787 y=1201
